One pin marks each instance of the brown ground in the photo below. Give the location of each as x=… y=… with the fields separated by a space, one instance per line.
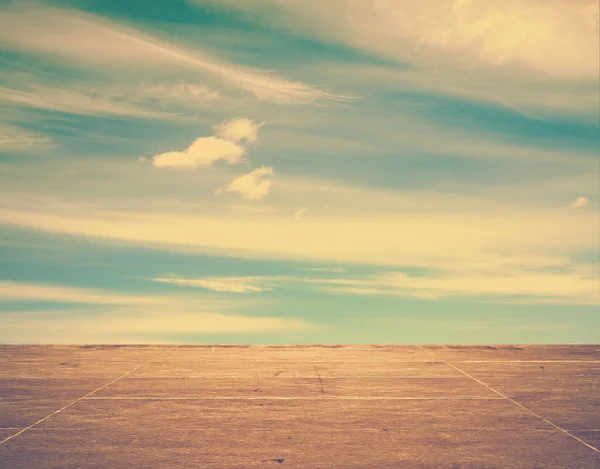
x=406 y=407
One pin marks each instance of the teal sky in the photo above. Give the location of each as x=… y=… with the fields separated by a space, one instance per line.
x=299 y=171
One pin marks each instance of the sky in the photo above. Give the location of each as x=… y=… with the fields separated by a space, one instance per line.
x=299 y=171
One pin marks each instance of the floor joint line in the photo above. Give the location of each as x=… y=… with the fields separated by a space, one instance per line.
x=23 y=430
x=292 y=398
x=566 y=432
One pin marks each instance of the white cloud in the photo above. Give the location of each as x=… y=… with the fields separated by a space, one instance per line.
x=89 y=40
x=238 y=129
x=224 y=146
x=223 y=284
x=251 y=186
x=203 y=152
x=579 y=202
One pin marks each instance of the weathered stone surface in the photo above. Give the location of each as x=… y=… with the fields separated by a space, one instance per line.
x=301 y=407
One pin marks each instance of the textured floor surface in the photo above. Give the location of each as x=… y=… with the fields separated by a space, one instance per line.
x=406 y=407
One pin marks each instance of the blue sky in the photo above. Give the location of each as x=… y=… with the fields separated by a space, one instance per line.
x=287 y=171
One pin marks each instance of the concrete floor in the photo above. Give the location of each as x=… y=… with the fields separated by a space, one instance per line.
x=405 y=407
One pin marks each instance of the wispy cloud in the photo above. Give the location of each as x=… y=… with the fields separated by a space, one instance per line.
x=185 y=94
x=547 y=97
x=574 y=284
x=83 y=102
x=541 y=35
x=23 y=291
x=489 y=324
x=224 y=284
x=14 y=138
x=535 y=57
x=89 y=40
x=338 y=270
x=495 y=285
x=475 y=235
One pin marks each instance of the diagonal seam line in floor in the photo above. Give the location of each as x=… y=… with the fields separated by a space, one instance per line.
x=23 y=430
x=511 y=400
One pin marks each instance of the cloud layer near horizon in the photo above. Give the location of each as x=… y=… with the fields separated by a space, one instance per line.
x=119 y=318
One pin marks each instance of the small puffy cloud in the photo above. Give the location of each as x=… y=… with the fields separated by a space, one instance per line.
x=579 y=202
x=203 y=152
x=251 y=186
x=223 y=146
x=238 y=129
